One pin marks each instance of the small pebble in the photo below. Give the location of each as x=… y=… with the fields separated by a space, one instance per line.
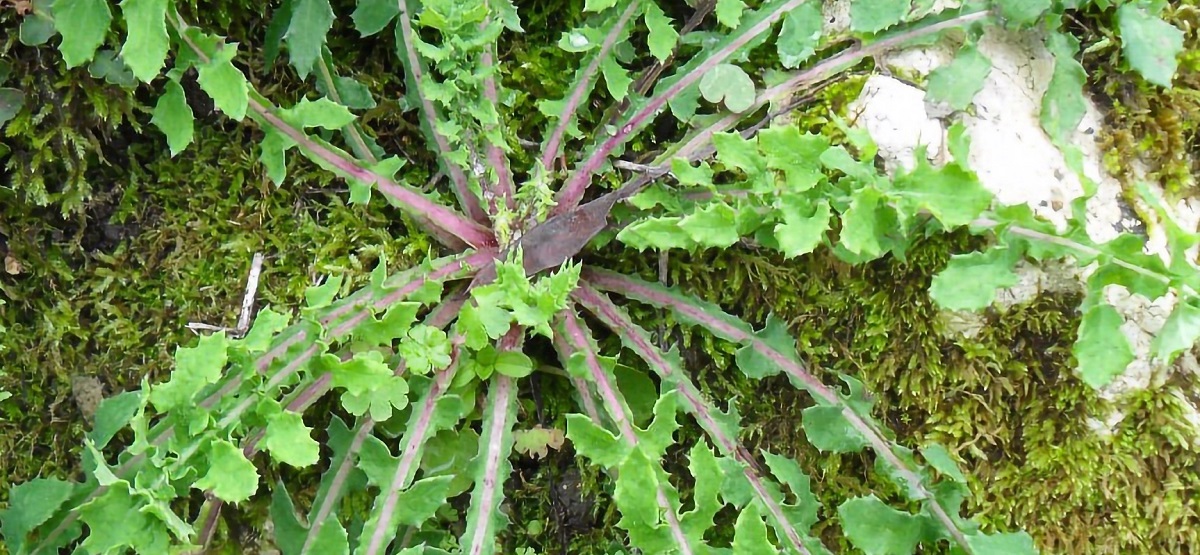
x=88 y=392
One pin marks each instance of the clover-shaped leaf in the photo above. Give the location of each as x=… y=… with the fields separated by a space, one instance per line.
x=730 y=85
x=425 y=349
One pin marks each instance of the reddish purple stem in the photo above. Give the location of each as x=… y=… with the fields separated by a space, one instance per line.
x=471 y=232
x=637 y=289
x=415 y=438
x=598 y=304
x=618 y=409
x=583 y=87
x=572 y=191
x=416 y=70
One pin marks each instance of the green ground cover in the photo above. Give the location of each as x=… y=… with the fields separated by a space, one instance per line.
x=112 y=247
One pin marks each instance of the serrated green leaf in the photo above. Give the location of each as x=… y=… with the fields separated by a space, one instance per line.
x=661 y=433
x=878 y=529
x=29 y=505
x=636 y=387
x=1018 y=543
x=728 y=84
x=829 y=430
x=950 y=193
x=321 y=112
x=396 y=322
x=481 y=323
x=1179 y=333
x=1151 y=45
x=662 y=35
x=352 y=94
x=734 y=151
x=224 y=83
x=970 y=281
x=537 y=441
x=311 y=21
x=802 y=513
x=774 y=336
x=359 y=375
x=116 y=521
x=276 y=28
x=320 y=296
x=113 y=414
x=729 y=12
x=687 y=174
x=958 y=82
x=1063 y=103
x=289 y=441
x=595 y=443
x=289 y=532
x=272 y=155
x=860 y=230
x=266 y=324
x=797 y=155
x=82 y=24
x=425 y=349
x=230 y=477
x=195 y=367
x=634 y=492
x=800 y=35
x=598 y=5
x=616 y=79
x=376 y=461
x=145 y=50
x=938 y=457
x=331 y=539
x=360 y=191
x=659 y=233
x=1023 y=12
x=684 y=105
x=706 y=503
x=750 y=533
x=711 y=226
x=418 y=503
x=173 y=117
x=803 y=227
x=858 y=399
x=1102 y=349
x=872 y=16
x=371 y=16
x=1129 y=248
x=447 y=453
x=838 y=158
x=659 y=195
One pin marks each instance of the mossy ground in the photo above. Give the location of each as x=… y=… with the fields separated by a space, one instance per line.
x=158 y=242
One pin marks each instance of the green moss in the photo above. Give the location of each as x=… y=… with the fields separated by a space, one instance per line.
x=116 y=303
x=1145 y=122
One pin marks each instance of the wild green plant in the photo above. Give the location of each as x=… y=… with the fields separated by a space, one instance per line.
x=441 y=347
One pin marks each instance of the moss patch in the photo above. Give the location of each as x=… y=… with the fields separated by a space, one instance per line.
x=1142 y=121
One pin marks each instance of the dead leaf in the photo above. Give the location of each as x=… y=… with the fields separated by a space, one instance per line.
x=12 y=266
x=537 y=441
x=88 y=393
x=22 y=7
